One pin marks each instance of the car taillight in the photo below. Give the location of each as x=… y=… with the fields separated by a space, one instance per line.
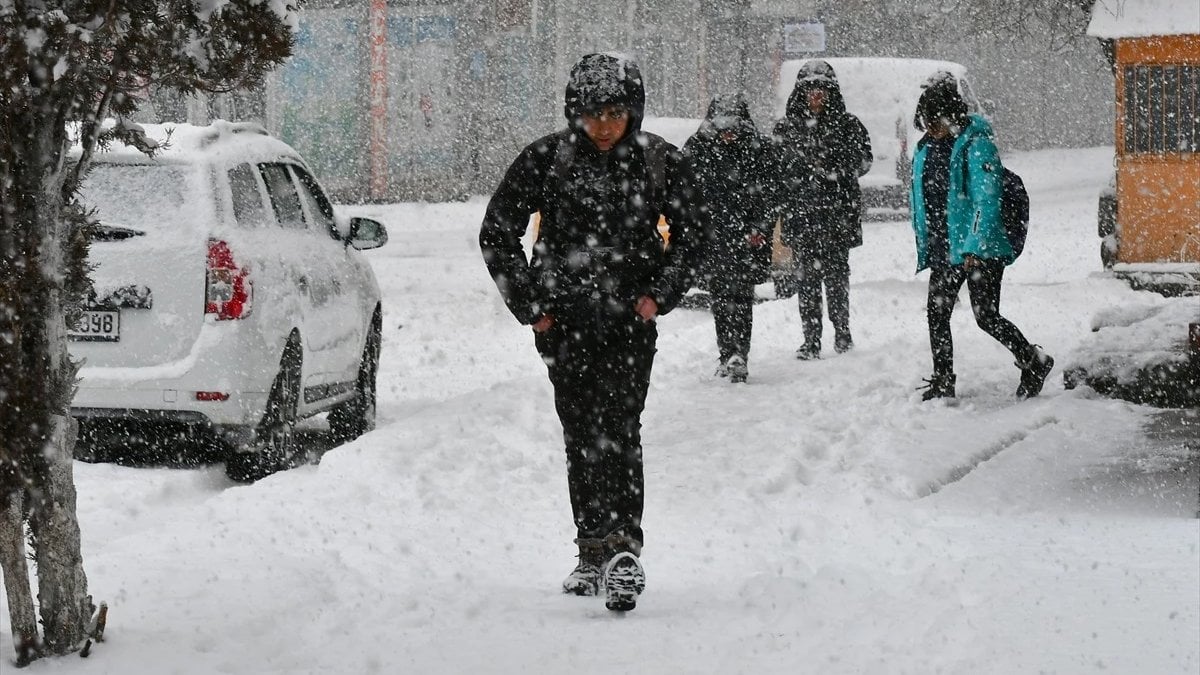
x=229 y=293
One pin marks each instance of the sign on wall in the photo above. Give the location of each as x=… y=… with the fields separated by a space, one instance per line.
x=803 y=37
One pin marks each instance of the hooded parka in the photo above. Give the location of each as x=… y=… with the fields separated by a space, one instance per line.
x=734 y=178
x=599 y=211
x=973 y=224
x=821 y=155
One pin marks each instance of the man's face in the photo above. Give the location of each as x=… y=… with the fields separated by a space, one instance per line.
x=816 y=99
x=606 y=126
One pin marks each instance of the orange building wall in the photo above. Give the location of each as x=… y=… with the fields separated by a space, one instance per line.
x=1158 y=194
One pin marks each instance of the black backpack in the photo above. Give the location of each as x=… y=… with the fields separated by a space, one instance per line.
x=1014 y=210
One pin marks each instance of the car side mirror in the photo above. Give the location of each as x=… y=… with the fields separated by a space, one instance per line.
x=366 y=234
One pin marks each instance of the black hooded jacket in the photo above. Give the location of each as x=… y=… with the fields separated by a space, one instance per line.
x=821 y=157
x=734 y=176
x=597 y=236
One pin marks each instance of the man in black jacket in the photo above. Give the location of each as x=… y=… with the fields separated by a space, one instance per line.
x=599 y=277
x=822 y=150
x=730 y=159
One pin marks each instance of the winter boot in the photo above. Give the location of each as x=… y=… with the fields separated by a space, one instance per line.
x=809 y=351
x=842 y=343
x=722 y=368
x=588 y=575
x=624 y=581
x=737 y=368
x=939 y=385
x=1033 y=372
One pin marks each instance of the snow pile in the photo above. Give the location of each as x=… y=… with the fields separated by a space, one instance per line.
x=1146 y=332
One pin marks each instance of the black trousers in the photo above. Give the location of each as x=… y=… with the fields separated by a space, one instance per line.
x=599 y=364
x=983 y=286
x=830 y=267
x=733 y=316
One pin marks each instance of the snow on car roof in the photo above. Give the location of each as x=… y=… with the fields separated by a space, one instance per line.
x=676 y=130
x=870 y=82
x=1143 y=18
x=186 y=143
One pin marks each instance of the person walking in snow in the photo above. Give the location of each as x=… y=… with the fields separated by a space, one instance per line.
x=729 y=156
x=955 y=198
x=599 y=277
x=822 y=149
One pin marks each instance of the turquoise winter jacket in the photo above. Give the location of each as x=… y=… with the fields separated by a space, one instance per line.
x=973 y=210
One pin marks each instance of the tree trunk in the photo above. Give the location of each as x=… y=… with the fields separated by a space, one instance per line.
x=16 y=580
x=36 y=373
x=62 y=584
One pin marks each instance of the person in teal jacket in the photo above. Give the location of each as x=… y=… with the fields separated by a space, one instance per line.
x=960 y=237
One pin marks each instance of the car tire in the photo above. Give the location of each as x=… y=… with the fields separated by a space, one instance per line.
x=1109 y=249
x=1106 y=215
x=349 y=420
x=1108 y=229
x=275 y=444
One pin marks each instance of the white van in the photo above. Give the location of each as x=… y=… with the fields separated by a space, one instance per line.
x=228 y=296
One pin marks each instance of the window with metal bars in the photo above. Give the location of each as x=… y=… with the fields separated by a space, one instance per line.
x=1162 y=109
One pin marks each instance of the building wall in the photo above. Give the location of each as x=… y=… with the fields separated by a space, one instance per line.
x=470 y=82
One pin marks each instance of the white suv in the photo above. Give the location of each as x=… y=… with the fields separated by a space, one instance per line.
x=228 y=295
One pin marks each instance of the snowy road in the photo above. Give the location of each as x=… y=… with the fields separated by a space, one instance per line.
x=819 y=519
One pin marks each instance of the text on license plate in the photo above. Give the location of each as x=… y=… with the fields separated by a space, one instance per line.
x=98 y=324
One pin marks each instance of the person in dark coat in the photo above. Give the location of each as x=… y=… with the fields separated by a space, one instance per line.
x=730 y=155
x=600 y=275
x=956 y=197
x=822 y=150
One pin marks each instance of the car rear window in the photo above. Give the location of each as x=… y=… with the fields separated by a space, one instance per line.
x=140 y=196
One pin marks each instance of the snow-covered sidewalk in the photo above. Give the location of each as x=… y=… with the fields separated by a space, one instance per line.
x=819 y=519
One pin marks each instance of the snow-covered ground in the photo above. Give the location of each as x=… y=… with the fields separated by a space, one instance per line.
x=819 y=519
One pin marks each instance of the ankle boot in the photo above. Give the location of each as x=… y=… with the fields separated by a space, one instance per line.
x=737 y=368
x=939 y=385
x=1034 y=369
x=809 y=351
x=588 y=574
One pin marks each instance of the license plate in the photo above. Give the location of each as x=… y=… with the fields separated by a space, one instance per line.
x=100 y=325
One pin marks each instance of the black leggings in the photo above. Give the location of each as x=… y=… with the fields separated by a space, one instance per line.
x=983 y=286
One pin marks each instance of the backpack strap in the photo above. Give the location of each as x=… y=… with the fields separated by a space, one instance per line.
x=556 y=179
x=656 y=183
x=656 y=173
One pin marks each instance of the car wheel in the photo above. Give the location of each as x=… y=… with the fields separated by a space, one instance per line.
x=1109 y=248
x=275 y=444
x=349 y=420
